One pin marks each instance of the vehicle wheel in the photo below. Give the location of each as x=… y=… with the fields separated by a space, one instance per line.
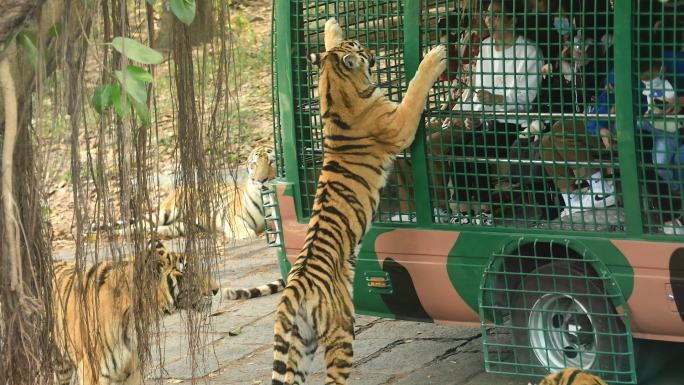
x=561 y=321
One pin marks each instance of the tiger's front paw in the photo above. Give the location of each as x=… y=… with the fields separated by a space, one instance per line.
x=333 y=34
x=435 y=62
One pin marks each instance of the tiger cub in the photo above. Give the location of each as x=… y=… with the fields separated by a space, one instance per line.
x=238 y=210
x=364 y=131
x=572 y=376
x=259 y=291
x=93 y=326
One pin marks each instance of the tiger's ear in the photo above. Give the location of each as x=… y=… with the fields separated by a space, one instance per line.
x=314 y=59
x=156 y=244
x=351 y=61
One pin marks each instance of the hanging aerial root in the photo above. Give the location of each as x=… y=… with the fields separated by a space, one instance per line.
x=11 y=226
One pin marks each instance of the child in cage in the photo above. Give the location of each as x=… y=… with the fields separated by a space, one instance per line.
x=461 y=33
x=505 y=79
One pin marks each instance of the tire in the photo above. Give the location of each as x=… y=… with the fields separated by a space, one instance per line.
x=566 y=302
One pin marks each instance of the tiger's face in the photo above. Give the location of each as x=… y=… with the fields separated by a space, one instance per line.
x=173 y=290
x=261 y=166
x=354 y=57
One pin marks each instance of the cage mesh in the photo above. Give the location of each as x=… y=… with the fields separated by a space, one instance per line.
x=545 y=306
x=542 y=152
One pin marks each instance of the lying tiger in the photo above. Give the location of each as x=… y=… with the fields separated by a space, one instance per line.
x=364 y=131
x=237 y=213
x=572 y=376
x=96 y=337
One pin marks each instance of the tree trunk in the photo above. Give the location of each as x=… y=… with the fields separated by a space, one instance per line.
x=201 y=29
x=25 y=285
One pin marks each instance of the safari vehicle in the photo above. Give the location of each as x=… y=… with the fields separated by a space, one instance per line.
x=591 y=287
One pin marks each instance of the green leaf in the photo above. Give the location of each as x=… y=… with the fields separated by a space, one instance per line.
x=55 y=30
x=27 y=39
x=151 y=1
x=102 y=98
x=136 y=51
x=106 y=95
x=97 y=100
x=134 y=86
x=140 y=74
x=235 y=332
x=119 y=103
x=184 y=10
x=142 y=111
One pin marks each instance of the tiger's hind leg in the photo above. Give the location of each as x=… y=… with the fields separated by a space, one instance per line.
x=303 y=346
x=339 y=355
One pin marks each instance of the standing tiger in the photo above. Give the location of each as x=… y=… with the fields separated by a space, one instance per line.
x=364 y=131
x=237 y=211
x=93 y=326
x=572 y=376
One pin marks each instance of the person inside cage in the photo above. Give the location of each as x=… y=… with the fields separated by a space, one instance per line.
x=568 y=141
x=551 y=25
x=505 y=80
x=662 y=86
x=461 y=33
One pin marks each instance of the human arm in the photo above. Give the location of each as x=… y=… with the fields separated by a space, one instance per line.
x=674 y=105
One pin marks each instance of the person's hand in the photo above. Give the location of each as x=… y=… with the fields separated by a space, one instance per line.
x=565 y=53
x=605 y=138
x=472 y=123
x=485 y=96
x=671 y=109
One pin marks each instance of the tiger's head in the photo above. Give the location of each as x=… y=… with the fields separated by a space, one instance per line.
x=356 y=60
x=261 y=166
x=172 y=291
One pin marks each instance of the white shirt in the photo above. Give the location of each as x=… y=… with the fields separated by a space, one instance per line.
x=512 y=73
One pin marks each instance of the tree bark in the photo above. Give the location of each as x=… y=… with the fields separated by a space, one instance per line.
x=26 y=354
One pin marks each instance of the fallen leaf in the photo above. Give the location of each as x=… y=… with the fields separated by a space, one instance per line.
x=235 y=332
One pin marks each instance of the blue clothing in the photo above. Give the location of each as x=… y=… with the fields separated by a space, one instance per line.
x=668 y=152
x=603 y=104
x=674 y=67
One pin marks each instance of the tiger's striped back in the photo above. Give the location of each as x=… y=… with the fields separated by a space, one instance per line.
x=572 y=376
x=364 y=131
x=259 y=291
x=235 y=210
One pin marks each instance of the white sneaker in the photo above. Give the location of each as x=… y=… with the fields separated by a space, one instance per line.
x=596 y=201
x=441 y=215
x=674 y=229
x=403 y=218
x=462 y=219
x=485 y=219
x=588 y=202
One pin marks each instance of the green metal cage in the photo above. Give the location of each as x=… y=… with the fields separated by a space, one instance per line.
x=558 y=296
x=452 y=175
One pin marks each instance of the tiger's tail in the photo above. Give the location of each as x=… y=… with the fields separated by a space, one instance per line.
x=259 y=291
x=288 y=308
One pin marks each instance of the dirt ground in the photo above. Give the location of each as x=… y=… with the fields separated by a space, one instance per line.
x=251 y=23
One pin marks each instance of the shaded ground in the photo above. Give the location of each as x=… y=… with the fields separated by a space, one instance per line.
x=385 y=351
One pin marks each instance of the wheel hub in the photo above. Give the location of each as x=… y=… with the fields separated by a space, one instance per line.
x=562 y=333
